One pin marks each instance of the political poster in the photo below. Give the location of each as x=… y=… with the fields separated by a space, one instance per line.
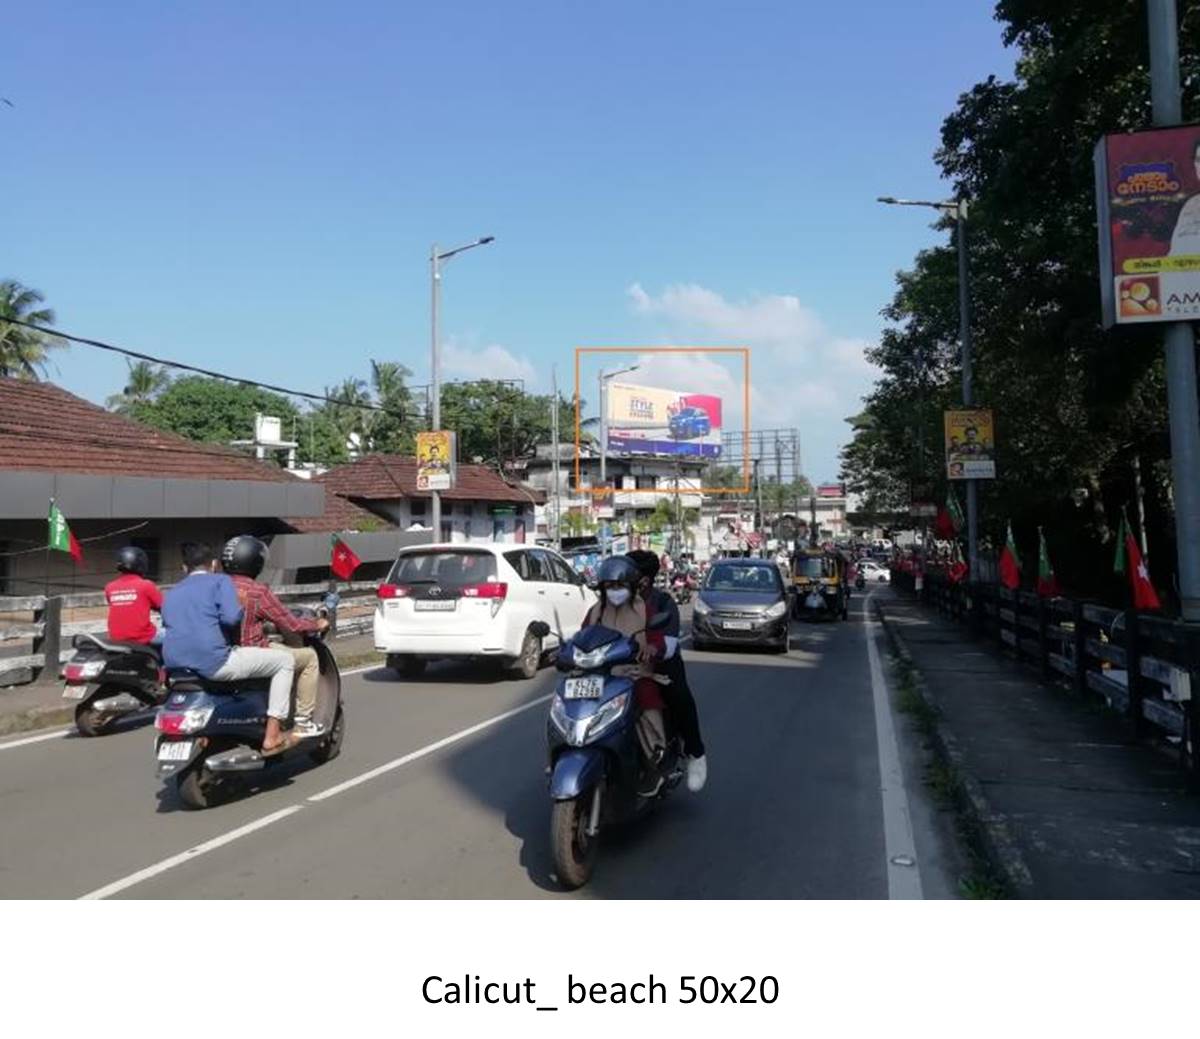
x=435 y=460
x=1148 y=210
x=650 y=420
x=970 y=445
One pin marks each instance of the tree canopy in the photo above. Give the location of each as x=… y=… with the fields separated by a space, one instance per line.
x=24 y=351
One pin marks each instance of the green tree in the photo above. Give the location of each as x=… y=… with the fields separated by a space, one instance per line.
x=143 y=384
x=23 y=351
x=500 y=423
x=212 y=410
x=1073 y=401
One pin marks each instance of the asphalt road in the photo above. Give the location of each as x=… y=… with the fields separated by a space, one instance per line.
x=432 y=798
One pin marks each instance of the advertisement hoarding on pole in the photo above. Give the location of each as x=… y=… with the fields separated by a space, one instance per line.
x=650 y=420
x=1148 y=215
x=970 y=444
x=435 y=460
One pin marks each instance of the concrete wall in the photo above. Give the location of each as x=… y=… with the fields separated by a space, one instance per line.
x=468 y=522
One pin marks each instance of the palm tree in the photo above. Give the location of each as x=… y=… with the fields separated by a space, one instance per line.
x=144 y=383
x=23 y=350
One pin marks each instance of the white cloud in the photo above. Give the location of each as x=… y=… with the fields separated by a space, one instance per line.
x=490 y=362
x=802 y=375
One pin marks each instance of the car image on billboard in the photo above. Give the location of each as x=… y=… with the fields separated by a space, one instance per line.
x=652 y=420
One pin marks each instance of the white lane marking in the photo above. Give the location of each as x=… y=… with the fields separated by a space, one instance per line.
x=57 y=734
x=375 y=773
x=117 y=886
x=904 y=881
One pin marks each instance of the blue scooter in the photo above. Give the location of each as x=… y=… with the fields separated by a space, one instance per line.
x=598 y=771
x=209 y=733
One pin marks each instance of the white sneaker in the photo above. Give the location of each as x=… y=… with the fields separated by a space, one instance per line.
x=697 y=773
x=307 y=729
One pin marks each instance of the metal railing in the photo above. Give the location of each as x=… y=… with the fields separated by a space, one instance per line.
x=48 y=637
x=1143 y=666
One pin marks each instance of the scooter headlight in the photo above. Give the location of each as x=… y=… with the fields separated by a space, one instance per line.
x=558 y=715
x=593 y=659
x=597 y=724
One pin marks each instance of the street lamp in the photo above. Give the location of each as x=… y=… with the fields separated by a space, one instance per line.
x=435 y=270
x=603 y=383
x=957 y=208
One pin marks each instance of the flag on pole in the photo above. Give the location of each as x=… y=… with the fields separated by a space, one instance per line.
x=1129 y=560
x=61 y=537
x=955 y=512
x=1047 y=582
x=1010 y=562
x=343 y=562
x=958 y=566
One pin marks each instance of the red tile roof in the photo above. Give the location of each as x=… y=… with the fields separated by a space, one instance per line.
x=43 y=427
x=340 y=514
x=384 y=477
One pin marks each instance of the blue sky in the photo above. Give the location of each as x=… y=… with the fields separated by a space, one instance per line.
x=255 y=186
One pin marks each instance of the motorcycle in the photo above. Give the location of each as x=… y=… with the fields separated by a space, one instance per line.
x=681 y=589
x=111 y=680
x=860 y=582
x=596 y=763
x=210 y=733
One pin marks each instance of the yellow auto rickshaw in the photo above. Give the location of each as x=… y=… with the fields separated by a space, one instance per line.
x=819 y=586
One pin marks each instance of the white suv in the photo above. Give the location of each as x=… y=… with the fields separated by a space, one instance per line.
x=478 y=601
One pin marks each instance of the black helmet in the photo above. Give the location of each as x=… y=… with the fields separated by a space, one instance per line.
x=133 y=560
x=244 y=555
x=618 y=570
x=646 y=562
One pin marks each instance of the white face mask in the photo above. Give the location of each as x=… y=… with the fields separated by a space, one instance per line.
x=618 y=596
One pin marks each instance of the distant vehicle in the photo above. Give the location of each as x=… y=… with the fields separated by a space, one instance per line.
x=873 y=571
x=742 y=602
x=689 y=423
x=442 y=601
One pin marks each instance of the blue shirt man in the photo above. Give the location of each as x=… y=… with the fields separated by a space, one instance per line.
x=195 y=613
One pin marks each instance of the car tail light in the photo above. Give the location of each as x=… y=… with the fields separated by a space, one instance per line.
x=487 y=590
x=393 y=591
x=493 y=590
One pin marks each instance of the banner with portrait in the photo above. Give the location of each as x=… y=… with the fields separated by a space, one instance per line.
x=970 y=445
x=435 y=460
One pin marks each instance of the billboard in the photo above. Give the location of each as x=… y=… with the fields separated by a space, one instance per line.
x=970 y=445
x=435 y=460
x=1148 y=214
x=649 y=420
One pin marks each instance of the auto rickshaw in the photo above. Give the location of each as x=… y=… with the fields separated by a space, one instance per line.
x=819 y=584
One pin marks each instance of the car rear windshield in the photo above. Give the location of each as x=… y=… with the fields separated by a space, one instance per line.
x=809 y=566
x=759 y=579
x=450 y=568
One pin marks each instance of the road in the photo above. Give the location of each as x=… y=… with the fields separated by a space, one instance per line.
x=439 y=793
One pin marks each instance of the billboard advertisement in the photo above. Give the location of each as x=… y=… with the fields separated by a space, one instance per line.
x=649 y=420
x=970 y=445
x=1148 y=210
x=435 y=460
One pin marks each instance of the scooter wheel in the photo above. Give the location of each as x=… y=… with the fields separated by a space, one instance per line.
x=196 y=786
x=331 y=746
x=574 y=850
x=89 y=721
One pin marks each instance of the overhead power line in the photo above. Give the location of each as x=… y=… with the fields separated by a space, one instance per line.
x=84 y=341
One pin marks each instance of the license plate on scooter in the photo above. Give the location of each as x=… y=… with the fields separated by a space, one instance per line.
x=590 y=687
x=175 y=750
x=74 y=692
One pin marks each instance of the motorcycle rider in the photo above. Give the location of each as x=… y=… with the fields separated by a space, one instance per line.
x=678 y=695
x=130 y=598
x=622 y=610
x=196 y=614
x=243 y=559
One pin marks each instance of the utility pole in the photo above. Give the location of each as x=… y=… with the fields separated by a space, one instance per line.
x=758 y=509
x=1178 y=339
x=554 y=468
x=964 y=334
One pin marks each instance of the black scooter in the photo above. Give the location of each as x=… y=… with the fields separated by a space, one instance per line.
x=210 y=733
x=111 y=680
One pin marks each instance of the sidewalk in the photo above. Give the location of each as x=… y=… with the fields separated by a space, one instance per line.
x=41 y=705
x=1070 y=806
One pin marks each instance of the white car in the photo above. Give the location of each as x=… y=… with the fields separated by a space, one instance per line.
x=873 y=571
x=457 y=600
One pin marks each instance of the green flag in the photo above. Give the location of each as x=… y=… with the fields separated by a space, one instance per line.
x=952 y=507
x=60 y=536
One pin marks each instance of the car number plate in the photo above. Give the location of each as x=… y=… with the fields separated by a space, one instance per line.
x=175 y=750
x=74 y=692
x=737 y=625
x=590 y=687
x=434 y=604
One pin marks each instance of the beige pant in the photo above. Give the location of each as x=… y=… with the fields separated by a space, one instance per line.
x=307 y=675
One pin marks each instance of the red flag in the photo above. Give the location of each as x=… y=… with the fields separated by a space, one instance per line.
x=343 y=562
x=943 y=526
x=1144 y=595
x=1010 y=563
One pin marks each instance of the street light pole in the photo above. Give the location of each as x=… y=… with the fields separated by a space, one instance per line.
x=435 y=352
x=958 y=210
x=602 y=382
x=1178 y=340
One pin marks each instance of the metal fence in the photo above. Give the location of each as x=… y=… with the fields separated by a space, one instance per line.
x=1143 y=666
x=47 y=636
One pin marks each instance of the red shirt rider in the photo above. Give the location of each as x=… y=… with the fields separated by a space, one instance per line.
x=130 y=598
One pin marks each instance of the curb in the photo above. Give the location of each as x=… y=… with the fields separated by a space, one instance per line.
x=991 y=825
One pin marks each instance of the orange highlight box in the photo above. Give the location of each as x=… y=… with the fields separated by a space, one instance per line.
x=744 y=351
